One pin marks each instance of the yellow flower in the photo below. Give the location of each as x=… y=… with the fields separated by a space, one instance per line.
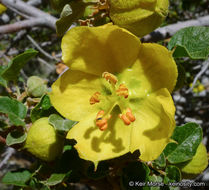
x=2 y=8
x=119 y=91
x=138 y=16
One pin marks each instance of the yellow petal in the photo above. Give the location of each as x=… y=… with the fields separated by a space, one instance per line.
x=154 y=125
x=98 y=49
x=71 y=94
x=158 y=66
x=95 y=145
x=138 y=16
x=2 y=8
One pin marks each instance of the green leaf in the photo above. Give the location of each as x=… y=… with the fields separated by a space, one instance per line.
x=135 y=176
x=11 y=73
x=173 y=174
x=188 y=138
x=60 y=124
x=160 y=162
x=18 y=178
x=15 y=137
x=42 y=109
x=3 y=82
x=181 y=77
x=71 y=13
x=58 y=4
x=191 y=42
x=56 y=178
x=16 y=110
x=155 y=182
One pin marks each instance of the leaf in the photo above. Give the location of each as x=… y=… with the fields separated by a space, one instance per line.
x=160 y=162
x=3 y=82
x=70 y=13
x=188 y=138
x=191 y=42
x=60 y=124
x=155 y=182
x=11 y=73
x=135 y=176
x=15 y=137
x=42 y=109
x=56 y=178
x=181 y=77
x=16 y=110
x=18 y=178
x=173 y=174
x=58 y=4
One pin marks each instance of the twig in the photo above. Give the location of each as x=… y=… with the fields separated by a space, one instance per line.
x=204 y=68
x=17 y=26
x=45 y=63
x=40 y=49
x=9 y=152
x=45 y=19
x=170 y=30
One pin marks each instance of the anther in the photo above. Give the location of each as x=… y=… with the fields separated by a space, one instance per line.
x=102 y=122
x=125 y=119
x=122 y=91
x=128 y=117
x=95 y=98
x=110 y=77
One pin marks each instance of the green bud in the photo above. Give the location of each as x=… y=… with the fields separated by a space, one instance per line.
x=36 y=86
x=42 y=140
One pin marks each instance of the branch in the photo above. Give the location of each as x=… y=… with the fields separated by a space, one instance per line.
x=24 y=8
x=46 y=54
x=17 y=26
x=170 y=30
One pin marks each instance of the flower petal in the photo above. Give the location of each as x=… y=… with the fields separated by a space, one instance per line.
x=154 y=69
x=154 y=125
x=98 y=49
x=95 y=145
x=71 y=94
x=158 y=66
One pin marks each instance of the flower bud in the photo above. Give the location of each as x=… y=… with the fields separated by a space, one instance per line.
x=42 y=140
x=36 y=86
x=138 y=16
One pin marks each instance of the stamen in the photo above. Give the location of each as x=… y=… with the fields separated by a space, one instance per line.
x=102 y=122
x=95 y=98
x=122 y=91
x=112 y=79
x=128 y=117
x=125 y=119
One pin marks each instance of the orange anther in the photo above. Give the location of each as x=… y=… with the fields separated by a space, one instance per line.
x=104 y=127
x=100 y=114
x=122 y=91
x=130 y=115
x=95 y=98
x=125 y=119
x=110 y=77
x=101 y=122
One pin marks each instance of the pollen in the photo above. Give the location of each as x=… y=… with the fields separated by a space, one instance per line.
x=112 y=79
x=101 y=121
x=95 y=98
x=122 y=91
x=128 y=117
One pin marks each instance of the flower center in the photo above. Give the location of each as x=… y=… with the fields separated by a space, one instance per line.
x=117 y=93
